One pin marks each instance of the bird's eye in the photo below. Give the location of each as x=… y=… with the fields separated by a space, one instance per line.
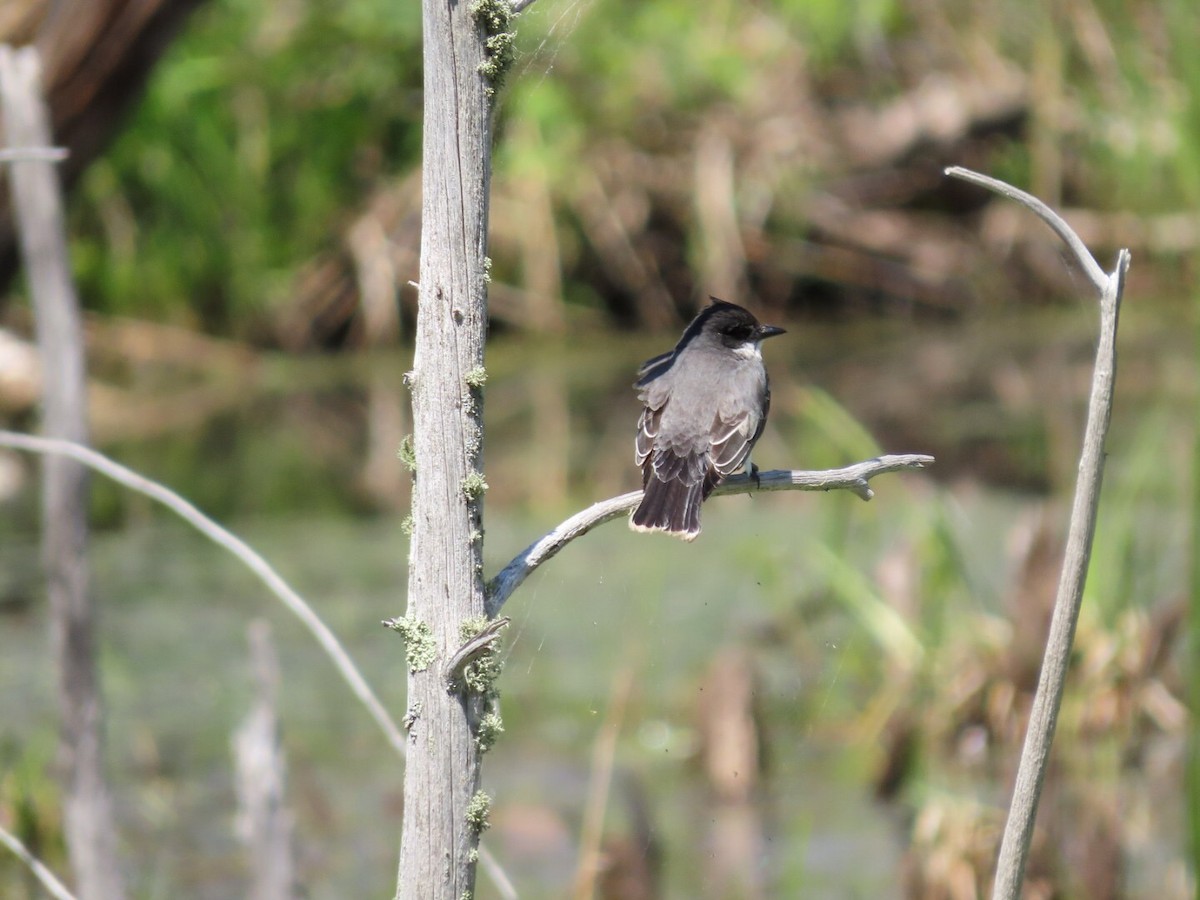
x=738 y=332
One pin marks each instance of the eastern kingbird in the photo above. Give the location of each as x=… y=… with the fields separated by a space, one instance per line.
x=706 y=404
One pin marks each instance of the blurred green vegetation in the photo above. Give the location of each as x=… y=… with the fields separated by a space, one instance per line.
x=895 y=641
x=881 y=634
x=267 y=127
x=260 y=131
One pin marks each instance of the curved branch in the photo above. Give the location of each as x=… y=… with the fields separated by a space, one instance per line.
x=851 y=478
x=280 y=588
x=235 y=545
x=1056 y=222
x=1043 y=716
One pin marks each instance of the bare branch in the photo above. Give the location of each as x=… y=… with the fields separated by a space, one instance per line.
x=468 y=652
x=33 y=154
x=1018 y=831
x=235 y=545
x=519 y=6
x=1056 y=222
x=53 y=886
x=293 y=601
x=851 y=478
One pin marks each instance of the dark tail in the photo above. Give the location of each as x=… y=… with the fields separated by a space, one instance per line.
x=671 y=506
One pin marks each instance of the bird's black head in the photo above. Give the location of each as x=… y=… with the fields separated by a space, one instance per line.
x=733 y=325
x=728 y=323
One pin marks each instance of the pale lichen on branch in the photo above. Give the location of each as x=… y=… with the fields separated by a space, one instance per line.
x=420 y=649
x=495 y=18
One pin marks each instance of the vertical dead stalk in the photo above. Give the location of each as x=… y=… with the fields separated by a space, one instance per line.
x=467 y=47
x=1018 y=832
x=264 y=822
x=88 y=817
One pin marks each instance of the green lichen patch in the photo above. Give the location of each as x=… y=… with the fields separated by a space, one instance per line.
x=491 y=726
x=476 y=378
x=418 y=639
x=473 y=485
x=474 y=443
x=495 y=18
x=481 y=673
x=478 y=810
x=472 y=627
x=408 y=454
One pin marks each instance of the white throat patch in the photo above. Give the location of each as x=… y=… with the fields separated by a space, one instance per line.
x=748 y=350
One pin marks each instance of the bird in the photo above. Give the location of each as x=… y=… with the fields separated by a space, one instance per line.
x=705 y=404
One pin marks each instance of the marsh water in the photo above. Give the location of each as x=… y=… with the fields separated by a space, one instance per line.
x=623 y=636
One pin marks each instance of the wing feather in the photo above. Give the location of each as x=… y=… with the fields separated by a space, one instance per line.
x=733 y=438
x=647 y=432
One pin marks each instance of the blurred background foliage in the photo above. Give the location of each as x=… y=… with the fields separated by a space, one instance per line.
x=647 y=154
x=259 y=133
x=265 y=193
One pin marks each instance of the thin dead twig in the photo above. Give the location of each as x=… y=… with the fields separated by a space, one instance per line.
x=853 y=478
x=473 y=649
x=266 y=573
x=235 y=545
x=49 y=881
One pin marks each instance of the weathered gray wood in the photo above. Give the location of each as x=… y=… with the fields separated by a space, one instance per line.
x=269 y=577
x=264 y=822
x=445 y=586
x=852 y=478
x=88 y=816
x=1043 y=716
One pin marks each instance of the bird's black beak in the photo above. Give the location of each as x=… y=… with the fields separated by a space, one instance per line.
x=766 y=331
